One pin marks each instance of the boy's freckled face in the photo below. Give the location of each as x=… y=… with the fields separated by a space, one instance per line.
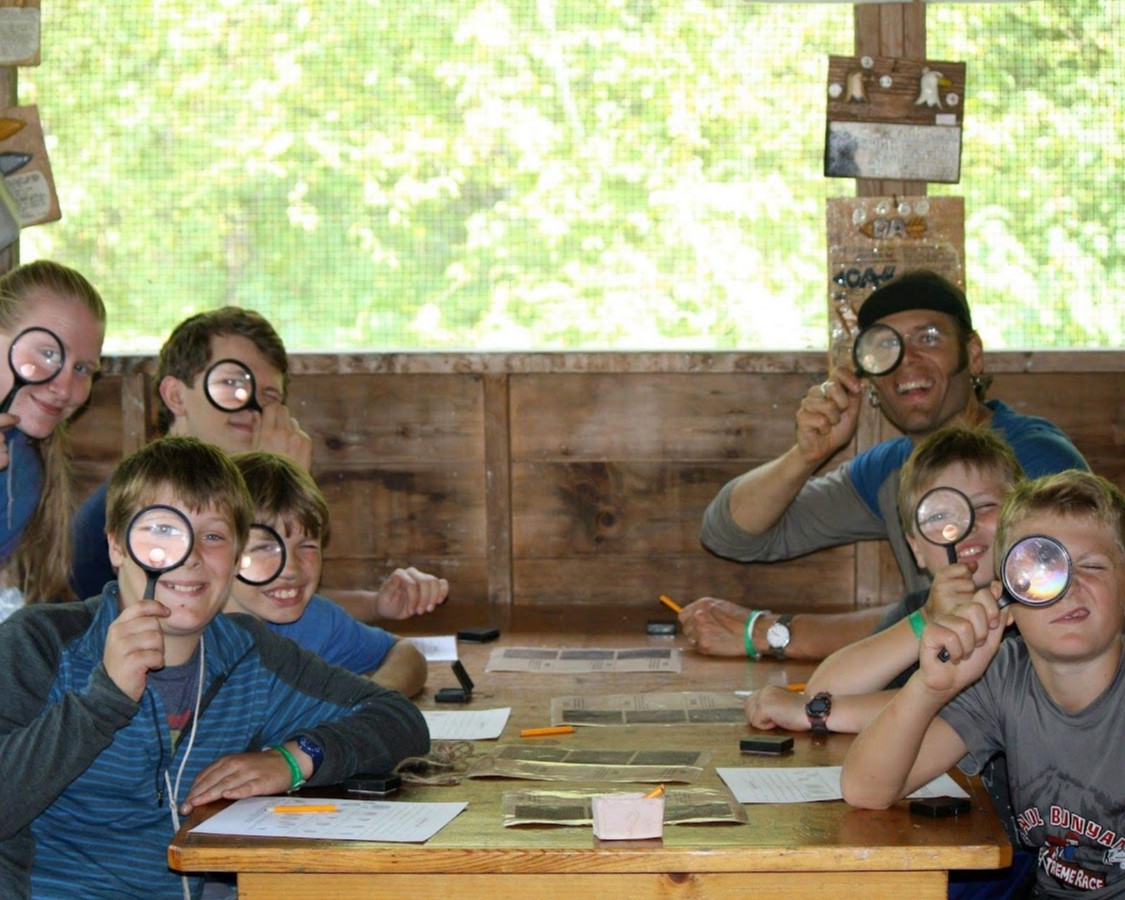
x=195 y=591
x=284 y=599
x=1087 y=621
x=985 y=490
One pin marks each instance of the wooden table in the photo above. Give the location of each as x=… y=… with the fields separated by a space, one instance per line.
x=822 y=849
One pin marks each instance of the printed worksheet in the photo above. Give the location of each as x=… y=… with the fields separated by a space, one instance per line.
x=656 y=708
x=337 y=820
x=754 y=784
x=553 y=763
x=577 y=660
x=683 y=806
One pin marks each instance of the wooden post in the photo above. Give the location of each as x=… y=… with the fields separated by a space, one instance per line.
x=9 y=81
x=898 y=30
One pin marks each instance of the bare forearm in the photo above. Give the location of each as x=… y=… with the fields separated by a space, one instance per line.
x=883 y=760
x=868 y=664
x=761 y=496
x=817 y=635
x=403 y=669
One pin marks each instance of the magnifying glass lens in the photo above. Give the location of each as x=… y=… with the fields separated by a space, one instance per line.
x=878 y=350
x=1036 y=570
x=264 y=556
x=159 y=539
x=230 y=385
x=944 y=516
x=36 y=355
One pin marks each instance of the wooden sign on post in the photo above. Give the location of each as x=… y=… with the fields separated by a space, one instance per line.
x=895 y=119
x=873 y=240
x=19 y=32
x=25 y=167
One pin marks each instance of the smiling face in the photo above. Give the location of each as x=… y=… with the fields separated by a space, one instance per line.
x=284 y=599
x=42 y=407
x=196 y=416
x=1086 y=623
x=933 y=382
x=985 y=489
x=195 y=591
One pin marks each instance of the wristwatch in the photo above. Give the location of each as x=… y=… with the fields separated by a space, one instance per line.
x=778 y=636
x=817 y=709
x=312 y=748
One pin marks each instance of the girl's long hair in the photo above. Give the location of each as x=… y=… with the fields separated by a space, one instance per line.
x=40 y=564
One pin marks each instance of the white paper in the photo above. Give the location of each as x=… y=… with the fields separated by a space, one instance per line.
x=354 y=820
x=466 y=725
x=753 y=784
x=439 y=648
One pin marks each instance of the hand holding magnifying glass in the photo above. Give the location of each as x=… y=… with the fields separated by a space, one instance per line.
x=35 y=356
x=1036 y=572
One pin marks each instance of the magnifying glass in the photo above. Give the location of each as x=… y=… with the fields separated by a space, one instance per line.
x=264 y=557
x=35 y=356
x=230 y=386
x=1036 y=572
x=877 y=350
x=159 y=539
x=943 y=517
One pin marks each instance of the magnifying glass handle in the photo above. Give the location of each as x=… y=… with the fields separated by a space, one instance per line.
x=150 y=585
x=951 y=553
x=7 y=402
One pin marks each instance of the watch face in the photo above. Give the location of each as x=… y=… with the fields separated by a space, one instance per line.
x=817 y=707
x=777 y=635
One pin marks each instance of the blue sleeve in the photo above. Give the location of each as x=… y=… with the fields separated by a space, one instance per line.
x=338 y=638
x=871 y=468
x=91 y=567
x=1041 y=446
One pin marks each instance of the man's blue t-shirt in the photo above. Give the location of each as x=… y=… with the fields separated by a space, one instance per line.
x=337 y=637
x=1040 y=446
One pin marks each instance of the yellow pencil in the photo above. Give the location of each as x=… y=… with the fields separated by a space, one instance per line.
x=306 y=808
x=671 y=604
x=795 y=688
x=545 y=732
x=657 y=791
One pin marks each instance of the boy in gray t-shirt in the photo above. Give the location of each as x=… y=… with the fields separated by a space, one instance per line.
x=1050 y=700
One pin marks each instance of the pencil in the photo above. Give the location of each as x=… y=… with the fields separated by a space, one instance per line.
x=795 y=688
x=657 y=791
x=546 y=732
x=306 y=808
x=671 y=604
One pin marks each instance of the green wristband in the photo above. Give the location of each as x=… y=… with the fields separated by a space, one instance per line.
x=917 y=622
x=296 y=779
x=750 y=620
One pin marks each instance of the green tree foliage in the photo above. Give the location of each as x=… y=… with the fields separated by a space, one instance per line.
x=534 y=174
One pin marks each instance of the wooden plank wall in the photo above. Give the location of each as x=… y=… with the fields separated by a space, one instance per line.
x=579 y=478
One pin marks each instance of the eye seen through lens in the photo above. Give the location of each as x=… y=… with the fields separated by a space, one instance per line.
x=229 y=385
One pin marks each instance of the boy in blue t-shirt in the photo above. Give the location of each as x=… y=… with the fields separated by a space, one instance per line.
x=288 y=500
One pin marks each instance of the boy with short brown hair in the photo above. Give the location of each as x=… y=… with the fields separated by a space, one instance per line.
x=1049 y=699
x=122 y=713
